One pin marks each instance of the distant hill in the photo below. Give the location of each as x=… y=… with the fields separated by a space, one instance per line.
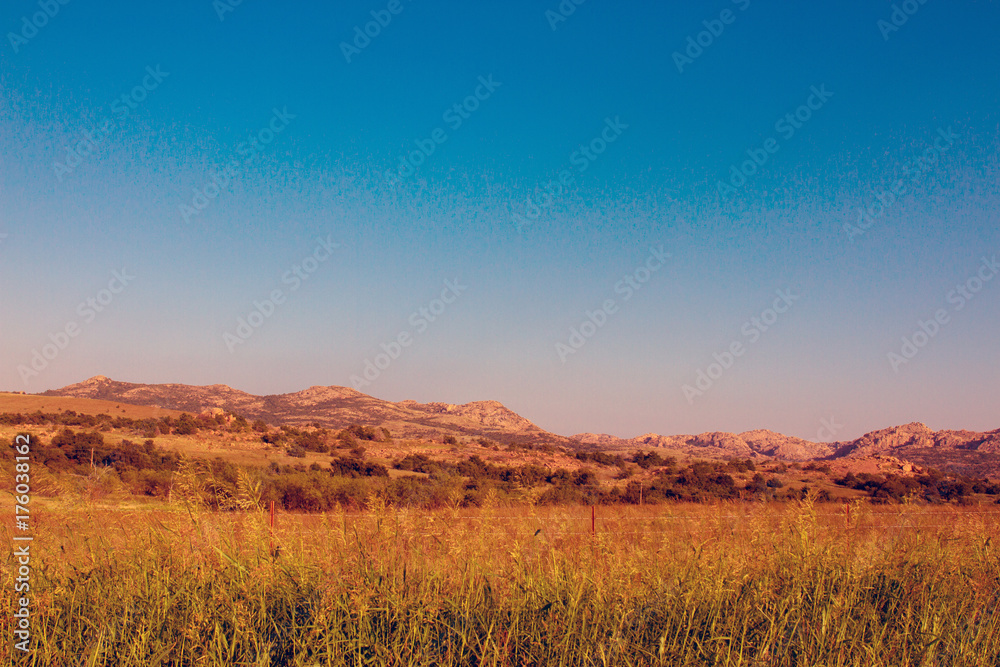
x=966 y=452
x=971 y=453
x=333 y=407
x=750 y=444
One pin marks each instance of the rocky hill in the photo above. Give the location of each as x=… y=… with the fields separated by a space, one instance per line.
x=917 y=436
x=715 y=444
x=966 y=452
x=333 y=407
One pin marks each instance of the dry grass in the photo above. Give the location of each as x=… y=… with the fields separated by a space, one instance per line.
x=735 y=584
x=29 y=403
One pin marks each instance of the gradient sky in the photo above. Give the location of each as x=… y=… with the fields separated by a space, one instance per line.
x=821 y=370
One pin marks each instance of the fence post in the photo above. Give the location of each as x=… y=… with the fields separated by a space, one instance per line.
x=593 y=519
x=847 y=507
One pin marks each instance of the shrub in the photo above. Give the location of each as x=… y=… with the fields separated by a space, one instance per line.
x=736 y=465
x=354 y=467
x=757 y=485
x=647 y=460
x=418 y=463
x=601 y=458
x=355 y=432
x=312 y=442
x=185 y=425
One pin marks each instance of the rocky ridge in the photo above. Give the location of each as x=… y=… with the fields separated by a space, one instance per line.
x=969 y=452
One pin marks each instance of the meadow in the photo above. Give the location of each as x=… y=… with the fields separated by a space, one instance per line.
x=149 y=583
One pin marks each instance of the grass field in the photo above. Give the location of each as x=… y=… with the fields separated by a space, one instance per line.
x=28 y=403
x=685 y=584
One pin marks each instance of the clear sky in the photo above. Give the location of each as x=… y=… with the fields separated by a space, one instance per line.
x=612 y=191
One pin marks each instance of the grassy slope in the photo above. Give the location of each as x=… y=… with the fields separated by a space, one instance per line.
x=28 y=403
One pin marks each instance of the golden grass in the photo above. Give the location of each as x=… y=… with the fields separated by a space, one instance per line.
x=28 y=403
x=732 y=584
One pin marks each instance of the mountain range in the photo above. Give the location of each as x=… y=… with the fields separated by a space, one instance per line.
x=968 y=452
x=331 y=407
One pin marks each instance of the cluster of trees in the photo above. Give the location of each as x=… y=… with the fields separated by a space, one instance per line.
x=697 y=482
x=88 y=458
x=933 y=486
x=299 y=441
x=185 y=424
x=542 y=447
x=480 y=472
x=601 y=459
x=350 y=480
x=653 y=460
x=354 y=467
x=647 y=460
x=356 y=433
x=144 y=469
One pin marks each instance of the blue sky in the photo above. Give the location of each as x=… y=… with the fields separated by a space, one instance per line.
x=199 y=90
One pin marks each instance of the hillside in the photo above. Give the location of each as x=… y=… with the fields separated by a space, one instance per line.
x=750 y=444
x=332 y=407
x=966 y=452
x=29 y=403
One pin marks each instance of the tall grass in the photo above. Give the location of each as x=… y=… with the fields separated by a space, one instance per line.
x=732 y=584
